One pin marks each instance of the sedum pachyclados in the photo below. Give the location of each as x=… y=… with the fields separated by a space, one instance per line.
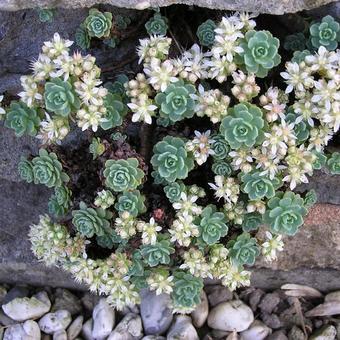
x=224 y=164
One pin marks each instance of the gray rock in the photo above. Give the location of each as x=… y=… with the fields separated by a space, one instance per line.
x=54 y=322
x=103 y=320
x=255 y=298
x=327 y=332
x=15 y=292
x=333 y=296
x=3 y=293
x=86 y=331
x=296 y=334
x=89 y=300
x=5 y=320
x=182 y=328
x=64 y=299
x=271 y=320
x=43 y=297
x=60 y=335
x=230 y=316
x=155 y=312
x=22 y=309
x=153 y=337
x=278 y=335
x=29 y=330
x=75 y=327
x=271 y=7
x=129 y=328
x=200 y=314
x=257 y=331
x=269 y=302
x=217 y=294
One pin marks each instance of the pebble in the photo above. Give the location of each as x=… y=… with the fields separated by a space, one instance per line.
x=22 y=309
x=129 y=328
x=269 y=302
x=16 y=292
x=200 y=314
x=29 y=330
x=75 y=328
x=257 y=331
x=229 y=316
x=89 y=300
x=255 y=298
x=153 y=337
x=86 y=331
x=155 y=312
x=103 y=320
x=43 y=297
x=334 y=296
x=3 y=292
x=278 y=335
x=327 y=332
x=64 y=299
x=296 y=334
x=54 y=322
x=182 y=328
x=217 y=294
x=60 y=335
x=5 y=320
x=271 y=320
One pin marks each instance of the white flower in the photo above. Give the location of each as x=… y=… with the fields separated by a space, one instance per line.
x=332 y=117
x=226 y=188
x=43 y=68
x=201 y=146
x=143 y=109
x=31 y=91
x=2 y=111
x=323 y=60
x=271 y=246
x=56 y=47
x=187 y=205
x=149 y=231
x=325 y=93
x=220 y=68
x=53 y=130
x=153 y=47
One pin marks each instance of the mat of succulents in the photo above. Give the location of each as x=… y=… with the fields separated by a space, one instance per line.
x=226 y=131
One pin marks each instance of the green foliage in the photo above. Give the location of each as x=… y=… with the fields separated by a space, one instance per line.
x=325 y=33
x=157 y=25
x=122 y=175
x=60 y=202
x=295 y=42
x=206 y=33
x=117 y=87
x=98 y=24
x=104 y=199
x=301 y=129
x=171 y=160
x=251 y=222
x=48 y=170
x=299 y=56
x=116 y=110
x=25 y=169
x=220 y=147
x=244 y=249
x=242 y=127
x=96 y=148
x=60 y=97
x=82 y=38
x=285 y=213
x=320 y=160
x=112 y=42
x=89 y=221
x=221 y=168
x=212 y=225
x=187 y=290
x=121 y=21
x=158 y=253
x=46 y=14
x=333 y=163
x=258 y=186
x=22 y=119
x=310 y=198
x=260 y=52
x=173 y=191
x=176 y=102
x=131 y=201
x=109 y=239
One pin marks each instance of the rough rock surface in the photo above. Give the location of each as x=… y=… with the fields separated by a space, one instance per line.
x=272 y=6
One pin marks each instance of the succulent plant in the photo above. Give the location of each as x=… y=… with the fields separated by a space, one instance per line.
x=244 y=249
x=243 y=126
x=131 y=201
x=122 y=175
x=310 y=198
x=295 y=42
x=104 y=199
x=116 y=110
x=221 y=168
x=325 y=33
x=285 y=213
x=109 y=239
x=96 y=148
x=46 y=14
x=158 y=253
x=333 y=163
x=117 y=87
x=176 y=102
x=157 y=25
x=299 y=56
x=82 y=38
x=60 y=202
x=258 y=186
x=260 y=52
x=22 y=119
x=220 y=147
x=89 y=221
x=60 y=97
x=212 y=225
x=301 y=129
x=48 y=170
x=251 y=222
x=320 y=160
x=112 y=42
x=186 y=290
x=173 y=191
x=25 y=169
x=206 y=33
x=121 y=21
x=98 y=24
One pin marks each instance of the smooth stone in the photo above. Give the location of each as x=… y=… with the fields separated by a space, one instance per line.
x=5 y=320
x=46 y=337
x=217 y=294
x=60 y=335
x=89 y=300
x=269 y=302
x=200 y=314
x=327 y=332
x=75 y=327
x=278 y=335
x=64 y=299
x=153 y=337
x=296 y=334
x=257 y=331
x=103 y=320
x=54 y=322
x=43 y=297
x=29 y=330
x=155 y=312
x=86 y=331
x=129 y=328
x=16 y=292
x=255 y=298
x=334 y=296
x=3 y=293
x=22 y=309
x=182 y=328
x=230 y=316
